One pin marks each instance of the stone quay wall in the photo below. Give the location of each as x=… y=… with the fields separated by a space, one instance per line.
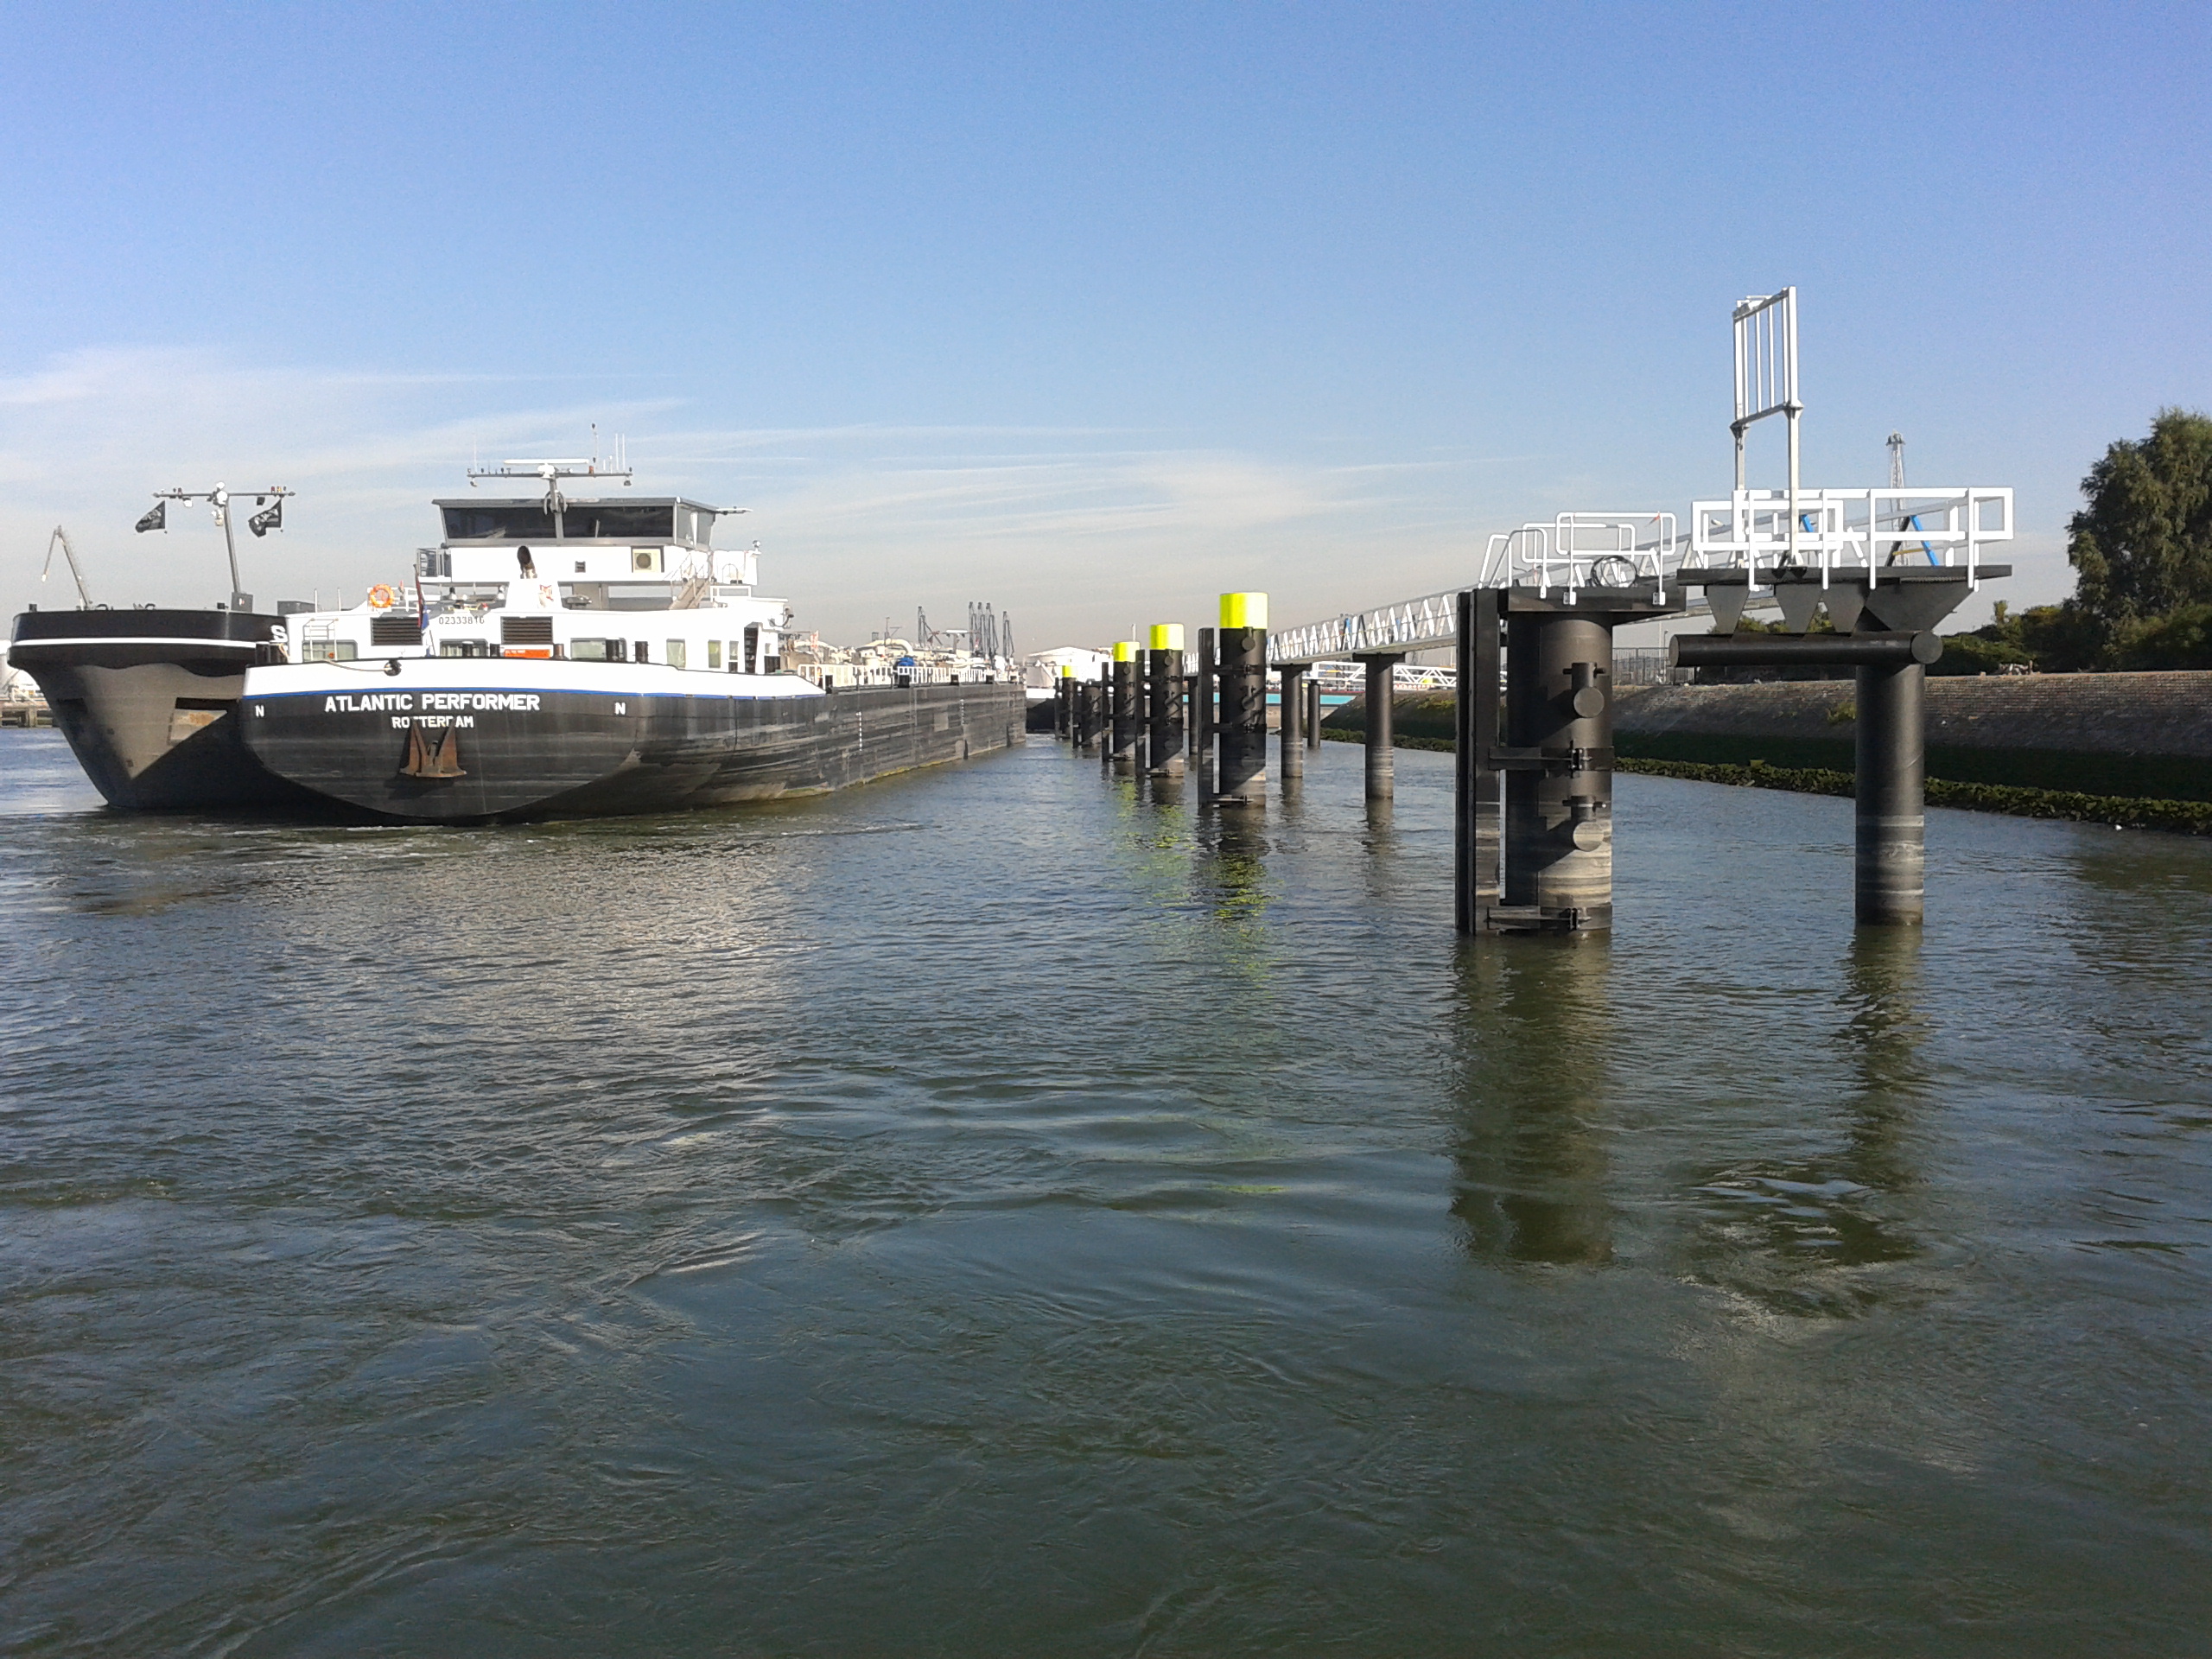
x=2141 y=736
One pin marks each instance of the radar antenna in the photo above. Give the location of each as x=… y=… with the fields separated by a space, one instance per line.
x=552 y=469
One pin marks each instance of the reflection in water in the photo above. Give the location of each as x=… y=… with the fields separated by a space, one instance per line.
x=1884 y=1040
x=2129 y=863
x=987 y=1212
x=1535 y=1028
x=1791 y=1232
x=1229 y=875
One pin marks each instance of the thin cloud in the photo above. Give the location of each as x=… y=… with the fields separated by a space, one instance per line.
x=1069 y=527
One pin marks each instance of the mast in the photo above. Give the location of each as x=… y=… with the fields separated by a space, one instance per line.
x=271 y=500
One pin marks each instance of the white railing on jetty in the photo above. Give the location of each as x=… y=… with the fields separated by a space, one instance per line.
x=1571 y=552
x=1854 y=531
x=1585 y=550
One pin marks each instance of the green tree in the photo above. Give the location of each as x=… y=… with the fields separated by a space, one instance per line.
x=2144 y=544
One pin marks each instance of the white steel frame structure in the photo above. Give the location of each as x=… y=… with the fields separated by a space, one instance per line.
x=1787 y=534
x=1862 y=532
x=1766 y=377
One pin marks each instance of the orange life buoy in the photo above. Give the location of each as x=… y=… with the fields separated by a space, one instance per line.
x=382 y=598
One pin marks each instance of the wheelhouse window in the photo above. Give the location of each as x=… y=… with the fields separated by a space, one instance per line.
x=524 y=523
x=617 y=521
x=580 y=521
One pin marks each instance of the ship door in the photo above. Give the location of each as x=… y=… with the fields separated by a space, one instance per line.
x=752 y=647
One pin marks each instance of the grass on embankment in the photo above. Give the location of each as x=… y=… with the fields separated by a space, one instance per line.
x=2185 y=817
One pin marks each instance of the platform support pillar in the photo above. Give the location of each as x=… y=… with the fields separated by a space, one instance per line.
x=1381 y=723
x=1890 y=876
x=1294 y=720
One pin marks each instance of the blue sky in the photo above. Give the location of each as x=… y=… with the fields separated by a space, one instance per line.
x=1090 y=312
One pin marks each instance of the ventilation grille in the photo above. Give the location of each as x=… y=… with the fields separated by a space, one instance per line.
x=395 y=630
x=526 y=630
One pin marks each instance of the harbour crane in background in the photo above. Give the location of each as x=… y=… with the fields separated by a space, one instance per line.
x=988 y=633
x=76 y=572
x=991 y=634
x=1897 y=482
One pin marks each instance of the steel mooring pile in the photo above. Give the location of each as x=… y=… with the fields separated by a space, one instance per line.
x=1534 y=781
x=1152 y=709
x=1534 y=801
x=1534 y=644
x=1533 y=836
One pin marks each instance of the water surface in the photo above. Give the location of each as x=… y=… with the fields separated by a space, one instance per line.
x=995 y=1211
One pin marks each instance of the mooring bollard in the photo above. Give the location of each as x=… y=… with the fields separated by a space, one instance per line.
x=1141 y=676
x=1478 y=807
x=1293 y=722
x=1241 y=667
x=1123 y=691
x=1187 y=693
x=1164 y=669
x=1559 y=817
x=1205 y=714
x=1533 y=842
x=1382 y=723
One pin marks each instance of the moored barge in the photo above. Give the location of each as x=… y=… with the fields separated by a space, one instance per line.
x=148 y=699
x=556 y=658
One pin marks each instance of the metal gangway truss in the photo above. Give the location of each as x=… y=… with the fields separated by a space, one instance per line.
x=1859 y=537
x=1568 y=555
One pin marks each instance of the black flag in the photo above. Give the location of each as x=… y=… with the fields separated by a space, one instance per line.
x=157 y=519
x=262 y=522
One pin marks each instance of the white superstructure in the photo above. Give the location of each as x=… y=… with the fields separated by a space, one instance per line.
x=628 y=579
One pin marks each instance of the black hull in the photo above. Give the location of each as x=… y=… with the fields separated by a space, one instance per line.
x=149 y=702
x=557 y=752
